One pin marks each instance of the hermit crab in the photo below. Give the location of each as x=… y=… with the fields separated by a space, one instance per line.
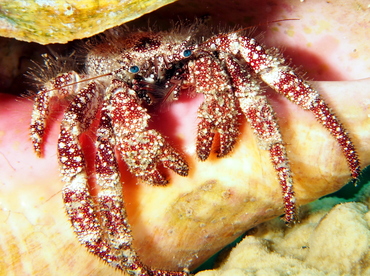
x=125 y=73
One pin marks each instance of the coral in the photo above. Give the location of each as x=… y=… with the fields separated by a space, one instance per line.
x=333 y=238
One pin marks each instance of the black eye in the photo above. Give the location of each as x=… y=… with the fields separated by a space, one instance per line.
x=134 y=69
x=187 y=53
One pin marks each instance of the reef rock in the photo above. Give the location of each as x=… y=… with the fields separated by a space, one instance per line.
x=332 y=238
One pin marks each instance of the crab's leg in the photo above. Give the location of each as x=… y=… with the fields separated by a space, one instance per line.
x=107 y=234
x=78 y=201
x=141 y=148
x=273 y=70
x=219 y=111
x=260 y=115
x=59 y=87
x=110 y=202
x=110 y=198
x=282 y=79
x=112 y=210
x=80 y=206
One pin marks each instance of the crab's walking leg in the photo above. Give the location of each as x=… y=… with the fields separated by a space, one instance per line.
x=273 y=70
x=59 y=87
x=110 y=200
x=260 y=115
x=280 y=77
x=141 y=148
x=78 y=201
x=219 y=111
x=101 y=226
x=81 y=208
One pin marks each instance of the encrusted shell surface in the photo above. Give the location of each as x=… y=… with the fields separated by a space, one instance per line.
x=60 y=21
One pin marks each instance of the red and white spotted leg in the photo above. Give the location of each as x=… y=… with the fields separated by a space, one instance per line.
x=260 y=115
x=101 y=226
x=111 y=203
x=273 y=70
x=141 y=148
x=79 y=203
x=60 y=86
x=219 y=112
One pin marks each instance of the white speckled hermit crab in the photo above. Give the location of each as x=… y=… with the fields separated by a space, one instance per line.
x=127 y=72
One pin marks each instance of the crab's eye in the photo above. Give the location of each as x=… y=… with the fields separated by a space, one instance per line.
x=187 y=53
x=134 y=69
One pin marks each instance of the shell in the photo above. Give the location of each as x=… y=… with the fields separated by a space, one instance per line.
x=194 y=216
x=60 y=21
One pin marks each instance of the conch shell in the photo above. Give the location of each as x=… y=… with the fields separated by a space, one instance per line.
x=183 y=224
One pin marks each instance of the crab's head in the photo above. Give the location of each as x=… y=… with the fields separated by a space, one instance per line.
x=154 y=64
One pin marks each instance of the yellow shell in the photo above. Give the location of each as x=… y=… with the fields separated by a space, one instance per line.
x=60 y=21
